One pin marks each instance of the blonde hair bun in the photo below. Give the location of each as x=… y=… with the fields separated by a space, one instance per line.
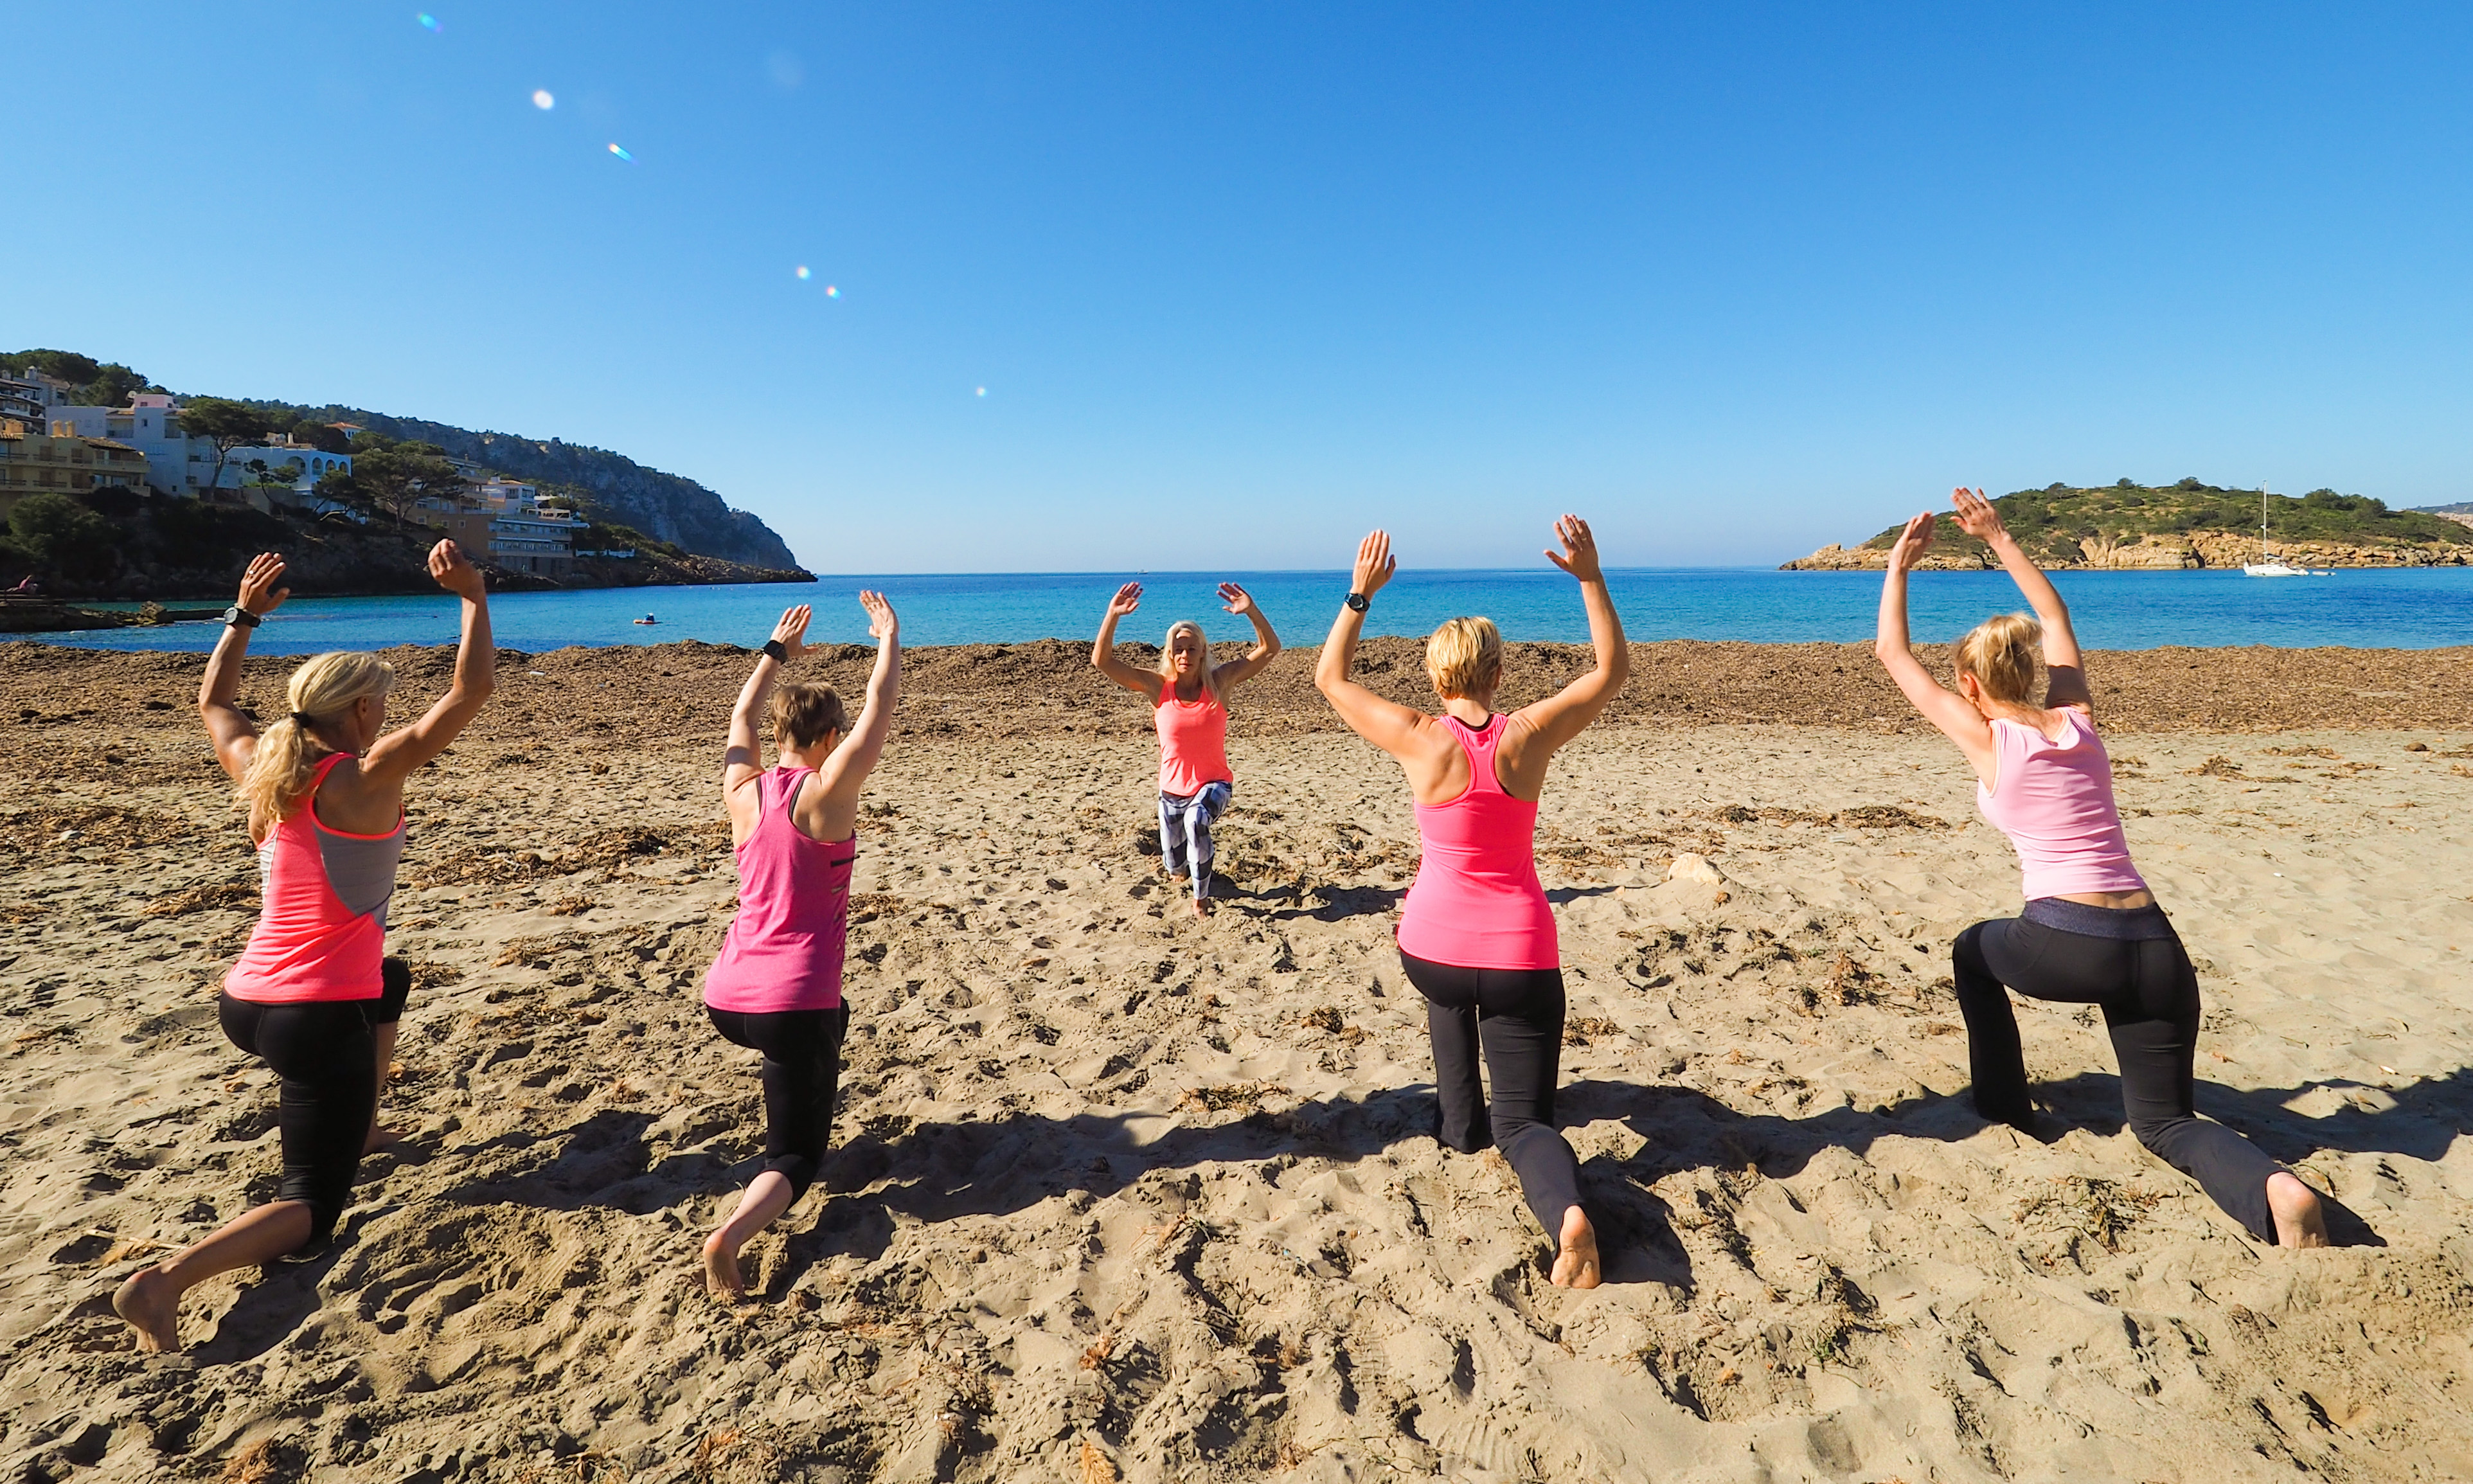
x=1464 y=656
x=2002 y=654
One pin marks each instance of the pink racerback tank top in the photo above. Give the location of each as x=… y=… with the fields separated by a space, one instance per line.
x=2053 y=799
x=783 y=950
x=321 y=931
x=1476 y=902
x=1193 y=742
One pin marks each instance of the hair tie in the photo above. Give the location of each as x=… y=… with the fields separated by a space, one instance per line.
x=302 y=719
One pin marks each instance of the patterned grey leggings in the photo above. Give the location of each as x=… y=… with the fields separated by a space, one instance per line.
x=1184 y=832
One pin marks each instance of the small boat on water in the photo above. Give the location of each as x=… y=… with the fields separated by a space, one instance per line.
x=646 y=619
x=2266 y=565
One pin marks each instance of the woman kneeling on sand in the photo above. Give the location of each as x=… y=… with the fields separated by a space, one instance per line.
x=1189 y=698
x=1477 y=935
x=313 y=992
x=775 y=988
x=2090 y=933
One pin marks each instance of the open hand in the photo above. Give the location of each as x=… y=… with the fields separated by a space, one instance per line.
x=1128 y=598
x=1236 y=599
x=1375 y=563
x=882 y=623
x=259 y=590
x=1579 y=554
x=1912 y=542
x=456 y=574
x=791 y=632
x=1976 y=516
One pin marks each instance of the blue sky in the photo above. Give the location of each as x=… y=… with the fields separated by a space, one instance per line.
x=1240 y=282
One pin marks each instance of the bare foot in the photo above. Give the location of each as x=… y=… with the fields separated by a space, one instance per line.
x=1575 y=1266
x=2300 y=1220
x=721 y=1276
x=152 y=1305
x=381 y=1135
x=1201 y=907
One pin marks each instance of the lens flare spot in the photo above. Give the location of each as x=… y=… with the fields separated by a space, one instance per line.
x=832 y=292
x=622 y=154
x=801 y=272
x=542 y=100
x=981 y=391
x=428 y=22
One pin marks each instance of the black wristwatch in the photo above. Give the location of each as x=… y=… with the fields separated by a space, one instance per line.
x=1358 y=602
x=237 y=615
x=772 y=647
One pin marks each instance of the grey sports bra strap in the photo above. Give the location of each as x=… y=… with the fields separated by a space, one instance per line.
x=790 y=797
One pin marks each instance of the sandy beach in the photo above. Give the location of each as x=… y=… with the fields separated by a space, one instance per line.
x=1119 y=1195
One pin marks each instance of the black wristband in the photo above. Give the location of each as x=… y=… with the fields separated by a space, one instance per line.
x=1358 y=603
x=772 y=647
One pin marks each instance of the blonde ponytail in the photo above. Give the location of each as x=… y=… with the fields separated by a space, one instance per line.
x=287 y=753
x=2001 y=652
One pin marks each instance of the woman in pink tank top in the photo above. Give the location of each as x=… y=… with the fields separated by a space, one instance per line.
x=1476 y=936
x=776 y=987
x=2091 y=932
x=313 y=994
x=1189 y=697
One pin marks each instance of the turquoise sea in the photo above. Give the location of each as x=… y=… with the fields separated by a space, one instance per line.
x=2399 y=609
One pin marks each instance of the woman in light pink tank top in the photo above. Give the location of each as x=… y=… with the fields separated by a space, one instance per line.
x=1477 y=935
x=776 y=987
x=1189 y=697
x=314 y=994
x=2091 y=931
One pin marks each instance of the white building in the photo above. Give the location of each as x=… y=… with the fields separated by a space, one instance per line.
x=176 y=463
x=315 y=463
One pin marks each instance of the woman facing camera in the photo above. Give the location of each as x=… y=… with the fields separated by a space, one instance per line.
x=1189 y=697
x=314 y=994
x=2091 y=932
x=1476 y=936
x=776 y=987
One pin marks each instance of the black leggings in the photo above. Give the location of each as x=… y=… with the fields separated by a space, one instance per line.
x=802 y=1071
x=327 y=1063
x=2149 y=993
x=1516 y=1015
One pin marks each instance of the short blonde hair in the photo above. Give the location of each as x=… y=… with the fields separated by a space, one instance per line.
x=282 y=764
x=805 y=714
x=2000 y=652
x=1464 y=656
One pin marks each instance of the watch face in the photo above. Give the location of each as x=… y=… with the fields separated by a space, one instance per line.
x=1357 y=601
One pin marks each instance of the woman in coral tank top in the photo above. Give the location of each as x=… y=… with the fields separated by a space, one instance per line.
x=2091 y=932
x=1189 y=697
x=1476 y=936
x=314 y=994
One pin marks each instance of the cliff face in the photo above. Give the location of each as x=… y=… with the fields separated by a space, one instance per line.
x=616 y=488
x=2189 y=525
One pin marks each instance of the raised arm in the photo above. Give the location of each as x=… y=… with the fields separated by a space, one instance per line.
x=1267 y=640
x=1564 y=716
x=742 y=759
x=228 y=726
x=1388 y=725
x=857 y=755
x=396 y=754
x=1943 y=708
x=1103 y=648
x=2068 y=681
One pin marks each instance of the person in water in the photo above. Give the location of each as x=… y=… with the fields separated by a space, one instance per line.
x=1477 y=935
x=2091 y=932
x=1189 y=697
x=776 y=987
x=314 y=994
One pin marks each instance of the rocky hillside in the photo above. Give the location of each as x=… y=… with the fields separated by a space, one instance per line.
x=2184 y=525
x=2461 y=512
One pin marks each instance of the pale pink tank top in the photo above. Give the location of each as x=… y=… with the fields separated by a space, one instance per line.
x=1193 y=742
x=783 y=950
x=322 y=925
x=1476 y=902
x=2053 y=799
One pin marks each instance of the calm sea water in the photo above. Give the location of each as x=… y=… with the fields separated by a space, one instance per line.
x=2399 y=609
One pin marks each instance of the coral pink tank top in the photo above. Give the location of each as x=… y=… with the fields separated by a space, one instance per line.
x=1476 y=902
x=1193 y=742
x=783 y=950
x=321 y=929
x=2053 y=799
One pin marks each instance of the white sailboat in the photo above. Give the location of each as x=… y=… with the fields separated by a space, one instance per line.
x=2266 y=565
